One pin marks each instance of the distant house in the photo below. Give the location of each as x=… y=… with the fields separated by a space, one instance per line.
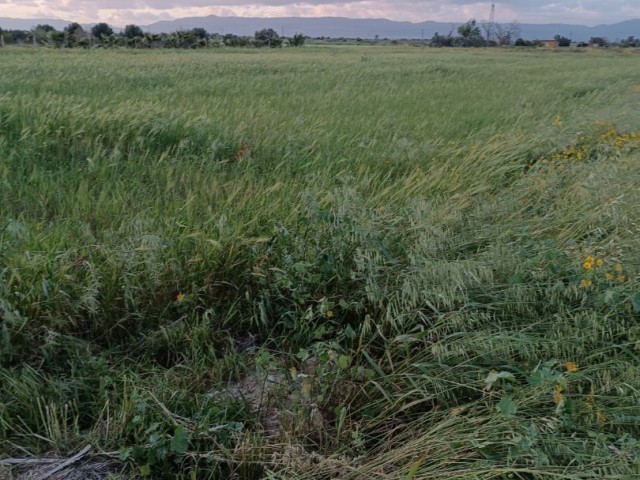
x=549 y=43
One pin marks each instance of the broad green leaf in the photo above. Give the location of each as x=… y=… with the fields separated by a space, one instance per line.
x=180 y=440
x=343 y=362
x=493 y=377
x=507 y=406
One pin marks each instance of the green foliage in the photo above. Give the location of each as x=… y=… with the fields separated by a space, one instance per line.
x=267 y=37
x=298 y=40
x=133 y=31
x=101 y=30
x=562 y=41
x=470 y=35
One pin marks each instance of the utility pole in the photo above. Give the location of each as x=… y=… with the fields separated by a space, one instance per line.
x=492 y=23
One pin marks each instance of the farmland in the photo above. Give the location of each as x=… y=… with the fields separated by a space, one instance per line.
x=333 y=262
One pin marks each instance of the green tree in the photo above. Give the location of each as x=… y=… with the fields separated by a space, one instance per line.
x=74 y=28
x=562 y=41
x=267 y=37
x=298 y=40
x=441 y=40
x=133 y=31
x=46 y=28
x=74 y=33
x=470 y=35
x=100 y=30
x=599 y=41
x=199 y=33
x=521 y=42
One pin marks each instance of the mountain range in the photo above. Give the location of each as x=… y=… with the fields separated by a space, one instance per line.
x=338 y=27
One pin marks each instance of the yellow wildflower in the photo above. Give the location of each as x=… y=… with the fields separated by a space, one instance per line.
x=556 y=121
x=557 y=395
x=571 y=367
x=587 y=265
x=618 y=268
x=621 y=278
x=329 y=314
x=609 y=276
x=586 y=283
x=599 y=263
x=180 y=297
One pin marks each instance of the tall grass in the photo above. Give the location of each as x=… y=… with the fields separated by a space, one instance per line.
x=322 y=263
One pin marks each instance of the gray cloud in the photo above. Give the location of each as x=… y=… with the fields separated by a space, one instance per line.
x=146 y=11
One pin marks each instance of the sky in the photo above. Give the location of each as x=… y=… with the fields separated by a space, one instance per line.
x=143 y=12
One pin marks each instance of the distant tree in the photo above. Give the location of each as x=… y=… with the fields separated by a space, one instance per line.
x=18 y=36
x=267 y=37
x=199 y=33
x=505 y=33
x=57 y=39
x=297 y=40
x=599 y=41
x=73 y=28
x=133 y=31
x=521 y=42
x=630 y=41
x=441 y=40
x=73 y=33
x=489 y=32
x=1 y=38
x=100 y=30
x=470 y=35
x=562 y=41
x=42 y=34
x=231 y=40
x=46 y=28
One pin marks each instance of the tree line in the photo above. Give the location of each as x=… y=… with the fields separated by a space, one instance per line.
x=487 y=34
x=132 y=36
x=469 y=34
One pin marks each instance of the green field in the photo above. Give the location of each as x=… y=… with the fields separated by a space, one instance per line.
x=322 y=263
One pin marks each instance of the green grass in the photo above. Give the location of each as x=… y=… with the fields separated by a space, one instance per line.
x=333 y=262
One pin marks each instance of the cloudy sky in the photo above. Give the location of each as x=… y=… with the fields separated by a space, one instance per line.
x=121 y=12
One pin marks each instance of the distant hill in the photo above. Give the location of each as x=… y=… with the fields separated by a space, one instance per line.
x=28 y=24
x=338 y=27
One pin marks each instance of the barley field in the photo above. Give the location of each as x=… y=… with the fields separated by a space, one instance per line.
x=321 y=263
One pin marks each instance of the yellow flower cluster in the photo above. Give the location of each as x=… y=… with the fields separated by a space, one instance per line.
x=591 y=264
x=558 y=397
x=572 y=153
x=620 y=141
x=631 y=139
x=571 y=367
x=619 y=276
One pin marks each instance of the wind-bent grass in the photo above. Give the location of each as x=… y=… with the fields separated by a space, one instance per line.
x=322 y=263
